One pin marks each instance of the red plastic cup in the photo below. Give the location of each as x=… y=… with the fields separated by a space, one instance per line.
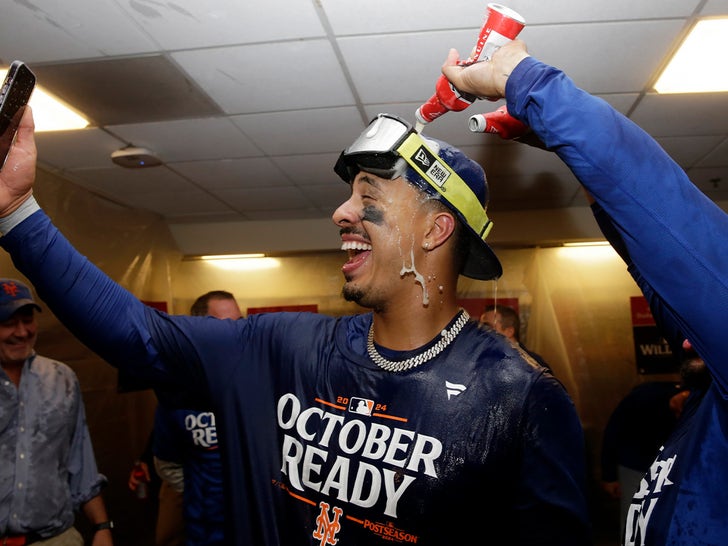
x=501 y=25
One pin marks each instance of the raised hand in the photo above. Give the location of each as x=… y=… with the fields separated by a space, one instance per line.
x=486 y=79
x=18 y=174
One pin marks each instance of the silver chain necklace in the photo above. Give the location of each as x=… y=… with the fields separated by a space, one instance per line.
x=448 y=335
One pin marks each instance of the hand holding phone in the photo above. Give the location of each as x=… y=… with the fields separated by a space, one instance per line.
x=14 y=95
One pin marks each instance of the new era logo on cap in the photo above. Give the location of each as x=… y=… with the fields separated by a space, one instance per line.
x=431 y=166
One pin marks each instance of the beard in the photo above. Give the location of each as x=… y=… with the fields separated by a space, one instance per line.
x=366 y=299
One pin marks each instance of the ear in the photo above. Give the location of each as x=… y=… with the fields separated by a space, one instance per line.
x=441 y=225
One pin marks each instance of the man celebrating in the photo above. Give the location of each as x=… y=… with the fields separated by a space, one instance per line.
x=406 y=424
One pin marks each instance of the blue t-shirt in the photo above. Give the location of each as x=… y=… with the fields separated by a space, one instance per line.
x=189 y=437
x=318 y=444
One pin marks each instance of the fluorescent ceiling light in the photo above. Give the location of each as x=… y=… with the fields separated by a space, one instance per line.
x=49 y=113
x=698 y=66
x=239 y=262
x=215 y=257
x=588 y=254
x=587 y=243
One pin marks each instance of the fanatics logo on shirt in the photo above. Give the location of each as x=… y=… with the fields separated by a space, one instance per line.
x=453 y=389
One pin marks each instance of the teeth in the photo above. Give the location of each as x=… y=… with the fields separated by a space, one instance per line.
x=355 y=245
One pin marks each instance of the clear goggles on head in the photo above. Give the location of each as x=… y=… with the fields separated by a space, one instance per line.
x=389 y=145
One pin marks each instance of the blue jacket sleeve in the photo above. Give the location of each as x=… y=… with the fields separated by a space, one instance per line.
x=103 y=315
x=664 y=317
x=673 y=233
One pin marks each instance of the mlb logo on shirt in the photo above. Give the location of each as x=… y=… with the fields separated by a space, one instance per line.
x=362 y=406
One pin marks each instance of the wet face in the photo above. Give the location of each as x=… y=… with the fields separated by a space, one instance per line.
x=223 y=309
x=17 y=336
x=382 y=226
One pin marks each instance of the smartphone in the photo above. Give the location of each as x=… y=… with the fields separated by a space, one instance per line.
x=14 y=95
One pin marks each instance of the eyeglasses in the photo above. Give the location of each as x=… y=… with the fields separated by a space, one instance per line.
x=389 y=144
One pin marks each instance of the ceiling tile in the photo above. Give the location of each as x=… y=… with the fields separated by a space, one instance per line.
x=264 y=199
x=128 y=90
x=176 y=25
x=685 y=114
x=598 y=64
x=250 y=172
x=384 y=16
x=317 y=131
x=241 y=79
x=568 y=11
x=310 y=169
x=87 y=148
x=39 y=32
x=716 y=157
x=408 y=64
x=187 y=140
x=689 y=151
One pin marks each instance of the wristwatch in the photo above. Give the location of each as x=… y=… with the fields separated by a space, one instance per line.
x=103 y=525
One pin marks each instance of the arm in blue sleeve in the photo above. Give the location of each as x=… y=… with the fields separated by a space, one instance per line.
x=100 y=312
x=104 y=316
x=673 y=233
x=663 y=315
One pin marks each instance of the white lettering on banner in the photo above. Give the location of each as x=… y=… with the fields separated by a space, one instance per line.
x=202 y=427
x=645 y=499
x=655 y=350
x=312 y=432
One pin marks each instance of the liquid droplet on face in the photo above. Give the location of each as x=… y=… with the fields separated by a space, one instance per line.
x=419 y=278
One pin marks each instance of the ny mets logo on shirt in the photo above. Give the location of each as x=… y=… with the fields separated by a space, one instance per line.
x=327 y=528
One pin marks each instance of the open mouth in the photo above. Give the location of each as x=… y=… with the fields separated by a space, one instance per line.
x=358 y=251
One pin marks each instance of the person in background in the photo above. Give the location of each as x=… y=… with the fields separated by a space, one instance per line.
x=505 y=320
x=47 y=466
x=408 y=423
x=167 y=501
x=186 y=454
x=636 y=430
x=674 y=241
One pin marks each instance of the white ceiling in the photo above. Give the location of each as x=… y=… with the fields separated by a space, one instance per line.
x=249 y=103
